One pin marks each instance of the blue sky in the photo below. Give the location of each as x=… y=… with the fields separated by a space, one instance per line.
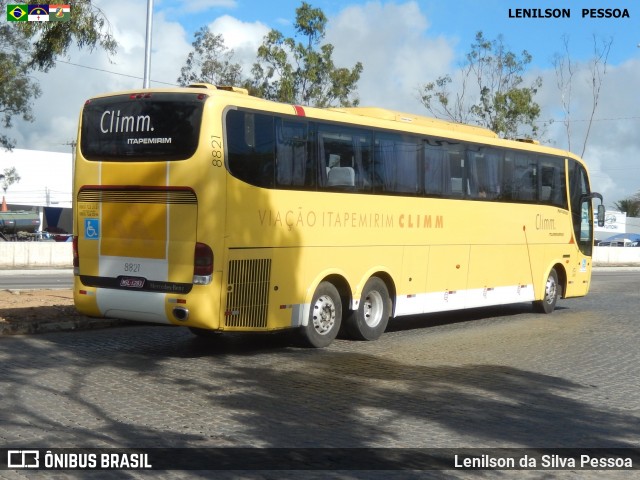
x=402 y=44
x=459 y=20
x=540 y=37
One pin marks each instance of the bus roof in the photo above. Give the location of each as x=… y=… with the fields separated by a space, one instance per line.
x=407 y=119
x=381 y=114
x=393 y=115
x=373 y=114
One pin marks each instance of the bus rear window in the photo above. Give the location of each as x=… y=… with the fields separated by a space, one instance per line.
x=146 y=127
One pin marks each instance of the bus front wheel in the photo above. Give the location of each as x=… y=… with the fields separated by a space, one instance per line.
x=370 y=320
x=325 y=316
x=551 y=294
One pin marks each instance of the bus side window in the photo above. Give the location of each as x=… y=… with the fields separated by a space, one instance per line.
x=363 y=160
x=396 y=163
x=484 y=171
x=521 y=179
x=552 y=184
x=344 y=158
x=456 y=168
x=293 y=166
x=436 y=169
x=250 y=147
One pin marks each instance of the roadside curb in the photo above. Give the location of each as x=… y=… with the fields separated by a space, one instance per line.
x=37 y=326
x=616 y=268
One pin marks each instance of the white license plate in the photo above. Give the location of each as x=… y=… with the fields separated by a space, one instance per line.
x=132 y=282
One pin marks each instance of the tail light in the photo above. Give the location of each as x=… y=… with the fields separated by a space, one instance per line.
x=202 y=264
x=76 y=257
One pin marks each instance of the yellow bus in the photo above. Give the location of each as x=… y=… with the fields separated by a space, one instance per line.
x=209 y=208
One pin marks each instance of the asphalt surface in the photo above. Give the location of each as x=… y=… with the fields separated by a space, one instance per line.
x=490 y=378
x=36 y=279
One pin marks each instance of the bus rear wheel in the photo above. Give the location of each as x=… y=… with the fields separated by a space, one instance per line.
x=551 y=294
x=370 y=320
x=325 y=317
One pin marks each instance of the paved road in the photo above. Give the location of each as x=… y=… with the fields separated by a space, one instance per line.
x=489 y=378
x=36 y=279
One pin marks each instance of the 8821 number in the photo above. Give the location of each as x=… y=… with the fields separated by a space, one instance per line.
x=132 y=267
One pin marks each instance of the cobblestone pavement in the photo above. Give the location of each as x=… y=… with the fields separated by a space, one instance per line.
x=484 y=378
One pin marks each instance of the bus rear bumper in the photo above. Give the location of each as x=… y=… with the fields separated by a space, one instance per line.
x=139 y=306
x=121 y=304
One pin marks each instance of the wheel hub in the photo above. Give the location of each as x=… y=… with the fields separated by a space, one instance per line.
x=373 y=308
x=324 y=315
x=551 y=290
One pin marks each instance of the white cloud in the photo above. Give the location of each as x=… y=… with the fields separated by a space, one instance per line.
x=613 y=146
x=398 y=54
x=242 y=37
x=238 y=34
x=197 y=6
x=169 y=50
x=66 y=87
x=392 y=42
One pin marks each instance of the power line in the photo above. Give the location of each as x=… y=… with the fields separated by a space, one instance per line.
x=613 y=119
x=537 y=121
x=113 y=73
x=552 y=120
x=608 y=170
x=4 y=50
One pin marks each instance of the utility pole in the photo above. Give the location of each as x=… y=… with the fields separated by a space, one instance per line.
x=147 y=46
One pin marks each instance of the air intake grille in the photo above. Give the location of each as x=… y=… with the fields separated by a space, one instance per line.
x=248 y=293
x=138 y=195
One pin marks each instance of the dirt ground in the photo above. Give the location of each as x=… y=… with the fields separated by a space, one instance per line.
x=43 y=305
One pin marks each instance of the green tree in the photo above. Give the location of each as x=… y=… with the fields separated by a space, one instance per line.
x=493 y=75
x=566 y=69
x=304 y=72
x=17 y=87
x=629 y=205
x=30 y=46
x=8 y=178
x=210 y=62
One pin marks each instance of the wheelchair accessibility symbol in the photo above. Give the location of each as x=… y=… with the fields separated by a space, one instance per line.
x=91 y=229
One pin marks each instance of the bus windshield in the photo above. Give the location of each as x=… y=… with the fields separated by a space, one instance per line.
x=137 y=127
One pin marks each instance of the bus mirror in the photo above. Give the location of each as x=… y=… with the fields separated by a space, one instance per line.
x=601 y=215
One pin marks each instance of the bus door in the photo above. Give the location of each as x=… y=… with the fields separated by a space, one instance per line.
x=580 y=199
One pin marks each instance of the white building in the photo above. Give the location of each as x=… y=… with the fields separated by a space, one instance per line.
x=617 y=223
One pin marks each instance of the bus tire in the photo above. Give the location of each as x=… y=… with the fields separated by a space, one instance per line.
x=370 y=320
x=551 y=294
x=325 y=317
